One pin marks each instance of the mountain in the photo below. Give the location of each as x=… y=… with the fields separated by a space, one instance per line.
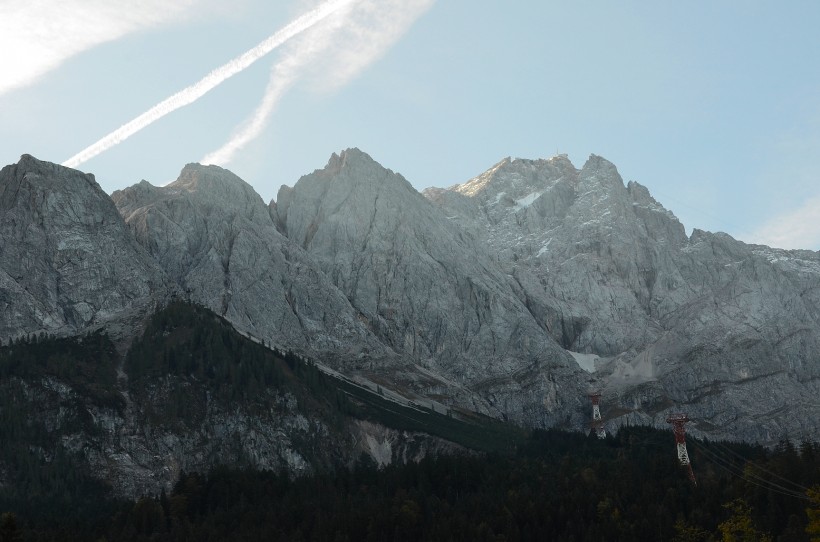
x=214 y=236
x=67 y=260
x=430 y=292
x=511 y=295
x=196 y=394
x=727 y=331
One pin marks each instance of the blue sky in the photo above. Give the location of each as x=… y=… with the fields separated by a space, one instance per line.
x=714 y=106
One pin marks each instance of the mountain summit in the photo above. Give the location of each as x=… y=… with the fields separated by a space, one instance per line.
x=67 y=260
x=512 y=294
x=706 y=322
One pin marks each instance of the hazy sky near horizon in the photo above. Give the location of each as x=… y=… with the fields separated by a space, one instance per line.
x=714 y=106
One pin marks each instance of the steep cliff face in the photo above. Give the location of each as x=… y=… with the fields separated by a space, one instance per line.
x=215 y=237
x=67 y=260
x=475 y=296
x=585 y=249
x=707 y=324
x=741 y=351
x=428 y=289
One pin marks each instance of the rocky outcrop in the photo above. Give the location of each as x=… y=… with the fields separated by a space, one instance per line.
x=215 y=237
x=67 y=260
x=428 y=290
x=727 y=331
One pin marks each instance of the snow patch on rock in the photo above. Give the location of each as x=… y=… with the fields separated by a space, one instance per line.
x=585 y=361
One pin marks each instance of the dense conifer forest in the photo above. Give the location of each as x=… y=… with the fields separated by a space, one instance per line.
x=514 y=485
x=557 y=486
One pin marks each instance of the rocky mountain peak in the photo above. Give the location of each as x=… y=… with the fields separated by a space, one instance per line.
x=206 y=191
x=213 y=234
x=67 y=260
x=599 y=173
x=351 y=157
x=30 y=164
x=514 y=179
x=603 y=201
x=351 y=163
x=29 y=171
x=472 y=294
x=600 y=164
x=215 y=185
x=350 y=182
x=355 y=166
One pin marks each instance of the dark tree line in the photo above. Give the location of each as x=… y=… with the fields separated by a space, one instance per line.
x=558 y=486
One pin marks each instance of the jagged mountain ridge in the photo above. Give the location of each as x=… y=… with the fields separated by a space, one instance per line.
x=467 y=296
x=214 y=236
x=426 y=289
x=728 y=331
x=365 y=275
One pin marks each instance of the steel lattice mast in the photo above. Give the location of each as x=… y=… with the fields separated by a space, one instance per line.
x=678 y=422
x=597 y=423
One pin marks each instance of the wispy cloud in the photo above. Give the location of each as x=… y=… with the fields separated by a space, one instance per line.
x=329 y=55
x=799 y=228
x=36 y=36
x=193 y=92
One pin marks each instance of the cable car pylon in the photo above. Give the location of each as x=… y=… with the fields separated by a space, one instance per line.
x=597 y=422
x=678 y=422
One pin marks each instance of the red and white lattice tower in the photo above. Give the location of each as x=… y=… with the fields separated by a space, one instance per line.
x=597 y=423
x=678 y=422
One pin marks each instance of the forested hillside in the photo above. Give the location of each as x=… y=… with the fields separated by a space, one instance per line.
x=557 y=486
x=67 y=416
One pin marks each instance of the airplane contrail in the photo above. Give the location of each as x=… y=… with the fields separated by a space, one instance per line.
x=217 y=76
x=347 y=44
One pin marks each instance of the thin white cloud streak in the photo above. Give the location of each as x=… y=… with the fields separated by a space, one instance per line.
x=332 y=53
x=37 y=36
x=797 y=229
x=217 y=76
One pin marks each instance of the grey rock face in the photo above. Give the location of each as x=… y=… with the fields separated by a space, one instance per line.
x=474 y=295
x=428 y=290
x=727 y=331
x=67 y=260
x=215 y=237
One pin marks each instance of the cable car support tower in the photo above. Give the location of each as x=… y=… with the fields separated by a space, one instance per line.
x=678 y=422
x=597 y=423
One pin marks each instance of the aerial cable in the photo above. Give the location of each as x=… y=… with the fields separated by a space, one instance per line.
x=759 y=467
x=734 y=470
x=746 y=475
x=738 y=471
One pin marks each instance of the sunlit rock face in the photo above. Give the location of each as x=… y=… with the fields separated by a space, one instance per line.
x=213 y=234
x=429 y=290
x=67 y=259
x=728 y=332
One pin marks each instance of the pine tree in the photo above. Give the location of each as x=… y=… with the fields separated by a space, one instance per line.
x=739 y=527
x=813 y=513
x=8 y=528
